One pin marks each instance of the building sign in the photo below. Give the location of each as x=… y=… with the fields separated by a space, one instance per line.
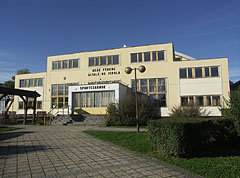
x=104 y=71
x=92 y=87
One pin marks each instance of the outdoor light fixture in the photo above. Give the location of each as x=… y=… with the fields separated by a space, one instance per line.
x=128 y=70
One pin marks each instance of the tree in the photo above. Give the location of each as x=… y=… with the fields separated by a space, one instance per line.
x=21 y=71
x=9 y=84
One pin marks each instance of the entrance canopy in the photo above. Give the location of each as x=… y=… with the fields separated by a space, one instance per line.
x=22 y=93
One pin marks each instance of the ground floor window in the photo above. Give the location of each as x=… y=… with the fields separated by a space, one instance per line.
x=59 y=97
x=93 y=99
x=209 y=100
x=155 y=88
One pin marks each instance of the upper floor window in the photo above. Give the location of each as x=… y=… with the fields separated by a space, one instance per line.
x=214 y=71
x=65 y=64
x=183 y=73
x=148 y=56
x=31 y=82
x=199 y=72
x=103 y=60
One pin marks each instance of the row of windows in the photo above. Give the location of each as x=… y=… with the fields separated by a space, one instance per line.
x=31 y=82
x=65 y=64
x=155 y=88
x=103 y=60
x=199 y=72
x=93 y=99
x=213 y=100
x=29 y=105
x=59 y=96
x=147 y=56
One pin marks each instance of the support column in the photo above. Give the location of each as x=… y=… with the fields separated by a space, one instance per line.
x=25 y=111
x=34 y=110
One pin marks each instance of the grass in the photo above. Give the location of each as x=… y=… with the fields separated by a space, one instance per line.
x=227 y=164
x=4 y=129
x=126 y=126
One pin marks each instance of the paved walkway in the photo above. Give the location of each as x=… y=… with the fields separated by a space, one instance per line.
x=65 y=151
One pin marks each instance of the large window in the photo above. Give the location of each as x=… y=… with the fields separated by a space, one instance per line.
x=183 y=73
x=59 y=96
x=199 y=72
x=103 y=60
x=93 y=99
x=65 y=64
x=209 y=100
x=30 y=105
x=155 y=88
x=31 y=82
x=148 y=56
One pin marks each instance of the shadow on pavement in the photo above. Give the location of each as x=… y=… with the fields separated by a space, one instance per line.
x=9 y=135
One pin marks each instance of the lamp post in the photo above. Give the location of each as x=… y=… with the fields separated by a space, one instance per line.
x=128 y=70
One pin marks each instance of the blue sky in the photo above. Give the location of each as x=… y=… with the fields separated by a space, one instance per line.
x=32 y=30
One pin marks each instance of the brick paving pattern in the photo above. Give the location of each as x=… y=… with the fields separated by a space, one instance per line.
x=65 y=151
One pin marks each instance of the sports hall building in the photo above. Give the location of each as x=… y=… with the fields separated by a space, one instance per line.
x=90 y=81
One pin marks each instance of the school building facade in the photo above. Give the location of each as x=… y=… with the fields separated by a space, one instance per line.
x=90 y=81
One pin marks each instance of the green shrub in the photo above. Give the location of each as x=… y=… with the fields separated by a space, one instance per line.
x=124 y=114
x=189 y=111
x=186 y=138
x=232 y=109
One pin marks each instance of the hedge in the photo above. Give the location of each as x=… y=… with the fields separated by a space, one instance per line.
x=187 y=138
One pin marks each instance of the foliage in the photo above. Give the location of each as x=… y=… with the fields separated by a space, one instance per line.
x=232 y=109
x=21 y=71
x=9 y=84
x=4 y=129
x=189 y=111
x=125 y=112
x=186 y=138
x=222 y=161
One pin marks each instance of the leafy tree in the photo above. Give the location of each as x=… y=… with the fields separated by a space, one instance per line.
x=21 y=71
x=9 y=84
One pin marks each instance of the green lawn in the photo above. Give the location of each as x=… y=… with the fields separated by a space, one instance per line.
x=221 y=165
x=4 y=129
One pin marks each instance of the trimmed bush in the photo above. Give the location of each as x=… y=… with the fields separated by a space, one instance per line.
x=189 y=111
x=124 y=114
x=187 y=138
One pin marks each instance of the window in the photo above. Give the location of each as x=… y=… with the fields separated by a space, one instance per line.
x=65 y=64
x=30 y=84
x=89 y=99
x=190 y=73
x=54 y=65
x=162 y=100
x=144 y=85
x=75 y=63
x=60 y=89
x=183 y=73
x=60 y=95
x=115 y=60
x=199 y=100
x=214 y=71
x=139 y=57
x=110 y=58
x=154 y=56
x=134 y=57
x=39 y=104
x=147 y=56
x=91 y=61
x=103 y=60
x=191 y=100
x=161 y=85
x=161 y=55
x=184 y=101
x=215 y=100
x=177 y=59
x=54 y=102
x=70 y=64
x=198 y=72
x=40 y=82
x=59 y=64
x=209 y=101
x=22 y=83
x=20 y=105
x=152 y=85
x=206 y=71
x=54 y=90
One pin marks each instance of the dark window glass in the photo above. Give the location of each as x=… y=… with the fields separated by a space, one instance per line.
x=39 y=104
x=54 y=65
x=184 y=101
x=144 y=85
x=115 y=60
x=152 y=85
x=66 y=89
x=183 y=73
x=134 y=57
x=66 y=102
x=189 y=72
x=97 y=61
x=35 y=82
x=30 y=83
x=70 y=64
x=20 y=105
x=103 y=60
x=75 y=63
x=59 y=64
x=147 y=56
x=60 y=102
x=22 y=83
x=199 y=100
x=198 y=72
x=214 y=71
x=215 y=100
x=133 y=85
x=139 y=57
x=161 y=55
x=54 y=102
x=209 y=102
x=161 y=85
x=54 y=90
x=177 y=59
x=152 y=97
x=162 y=99
x=65 y=64
x=40 y=82
x=206 y=71
x=60 y=89
x=154 y=56
x=191 y=100
x=109 y=60
x=91 y=61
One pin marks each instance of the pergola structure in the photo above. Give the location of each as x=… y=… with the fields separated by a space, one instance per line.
x=24 y=95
